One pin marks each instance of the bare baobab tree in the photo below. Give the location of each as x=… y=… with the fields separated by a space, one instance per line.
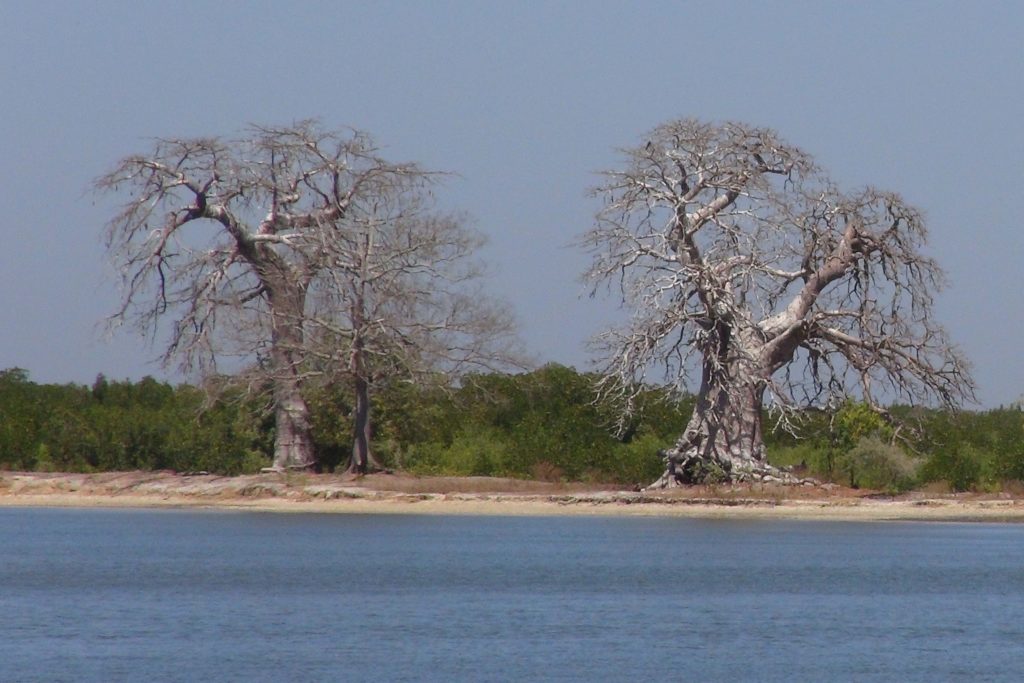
x=301 y=253
x=751 y=277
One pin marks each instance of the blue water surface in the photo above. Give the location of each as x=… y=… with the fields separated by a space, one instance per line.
x=112 y=595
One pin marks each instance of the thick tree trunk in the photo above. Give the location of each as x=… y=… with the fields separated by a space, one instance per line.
x=293 y=440
x=723 y=440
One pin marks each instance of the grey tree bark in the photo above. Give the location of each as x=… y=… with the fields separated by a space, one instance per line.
x=362 y=460
x=293 y=441
x=742 y=264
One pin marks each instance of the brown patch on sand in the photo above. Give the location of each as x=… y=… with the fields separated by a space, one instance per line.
x=402 y=493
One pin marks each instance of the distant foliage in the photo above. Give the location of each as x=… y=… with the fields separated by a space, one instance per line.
x=961 y=451
x=146 y=425
x=544 y=424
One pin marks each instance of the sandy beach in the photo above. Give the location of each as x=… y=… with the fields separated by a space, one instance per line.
x=403 y=494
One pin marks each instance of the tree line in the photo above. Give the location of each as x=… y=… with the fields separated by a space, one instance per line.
x=543 y=424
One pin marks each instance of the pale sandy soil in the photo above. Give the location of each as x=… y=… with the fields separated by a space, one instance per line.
x=395 y=494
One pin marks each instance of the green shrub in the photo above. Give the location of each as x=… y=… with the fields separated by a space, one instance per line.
x=804 y=456
x=253 y=462
x=44 y=463
x=480 y=452
x=638 y=462
x=875 y=464
x=1008 y=465
x=960 y=466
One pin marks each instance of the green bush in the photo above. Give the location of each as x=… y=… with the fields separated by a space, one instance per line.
x=875 y=464
x=43 y=461
x=476 y=453
x=638 y=462
x=805 y=456
x=253 y=461
x=960 y=466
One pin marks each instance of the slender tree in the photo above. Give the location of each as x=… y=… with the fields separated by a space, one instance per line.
x=401 y=301
x=281 y=247
x=750 y=277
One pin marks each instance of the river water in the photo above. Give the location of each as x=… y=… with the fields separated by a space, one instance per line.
x=126 y=595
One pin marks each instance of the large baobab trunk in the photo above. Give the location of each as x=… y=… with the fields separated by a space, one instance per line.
x=723 y=440
x=293 y=441
x=293 y=444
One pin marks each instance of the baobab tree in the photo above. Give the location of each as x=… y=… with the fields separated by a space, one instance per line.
x=301 y=253
x=751 y=278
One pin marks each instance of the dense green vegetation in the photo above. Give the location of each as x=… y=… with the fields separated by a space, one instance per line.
x=544 y=424
x=123 y=425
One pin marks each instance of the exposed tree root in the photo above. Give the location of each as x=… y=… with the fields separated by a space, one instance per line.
x=689 y=468
x=281 y=469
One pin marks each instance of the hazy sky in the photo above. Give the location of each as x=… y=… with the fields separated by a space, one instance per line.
x=526 y=101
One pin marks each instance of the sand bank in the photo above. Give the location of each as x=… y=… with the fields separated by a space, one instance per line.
x=400 y=494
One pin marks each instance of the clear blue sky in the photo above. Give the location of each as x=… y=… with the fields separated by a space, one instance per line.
x=526 y=101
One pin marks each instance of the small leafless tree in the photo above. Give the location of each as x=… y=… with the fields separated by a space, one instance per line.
x=304 y=254
x=746 y=269
x=399 y=301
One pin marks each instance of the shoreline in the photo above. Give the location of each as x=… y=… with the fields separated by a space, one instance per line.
x=405 y=494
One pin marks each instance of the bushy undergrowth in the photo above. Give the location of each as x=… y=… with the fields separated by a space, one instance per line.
x=543 y=424
x=146 y=425
x=965 y=451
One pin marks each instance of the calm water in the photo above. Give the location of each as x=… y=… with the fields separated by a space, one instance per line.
x=191 y=596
